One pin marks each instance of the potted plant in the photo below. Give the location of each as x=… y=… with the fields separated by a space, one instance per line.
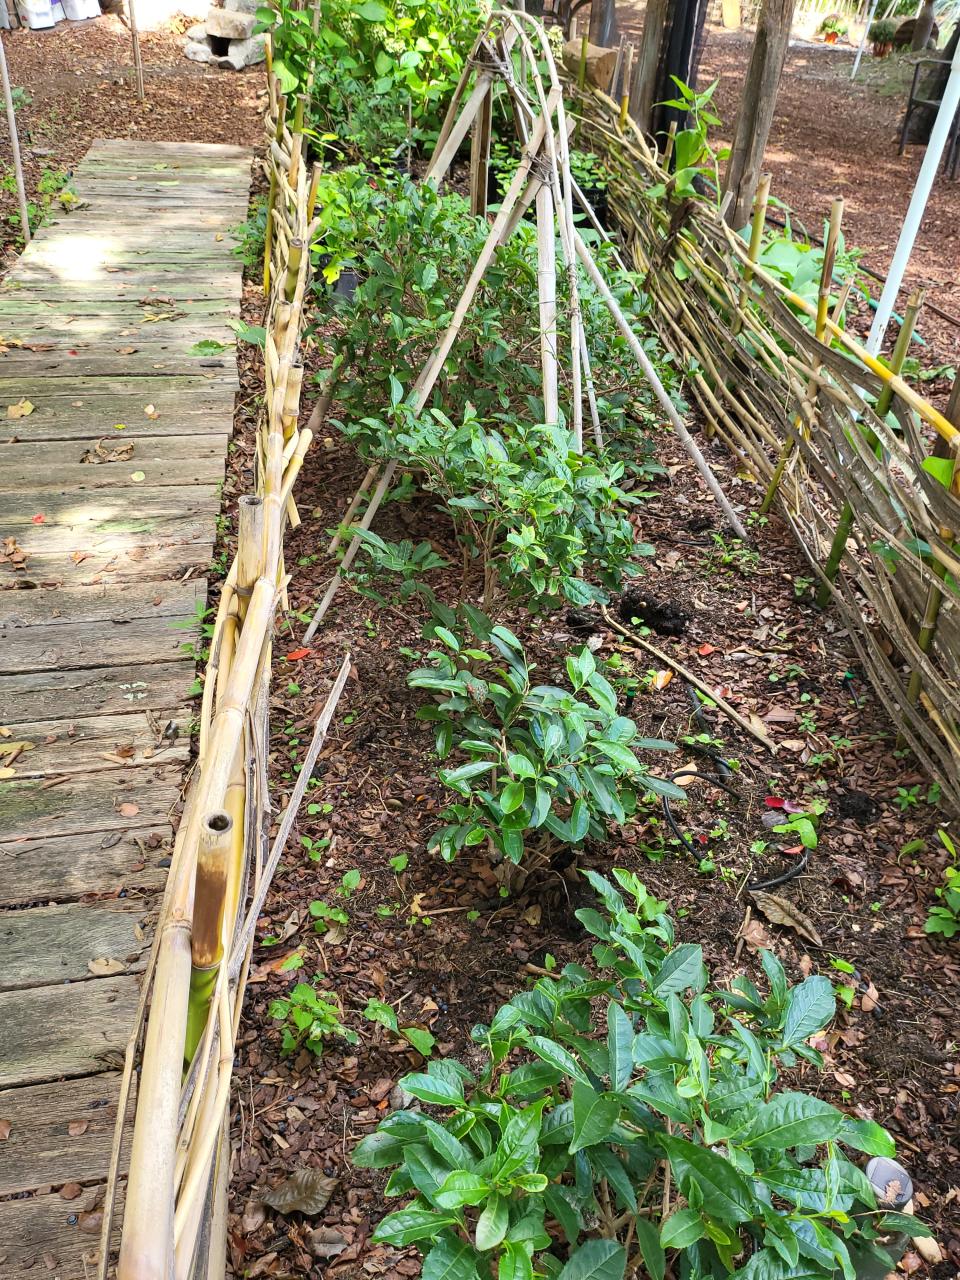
x=881 y=33
x=832 y=28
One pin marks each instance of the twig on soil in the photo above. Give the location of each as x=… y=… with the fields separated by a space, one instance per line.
x=688 y=675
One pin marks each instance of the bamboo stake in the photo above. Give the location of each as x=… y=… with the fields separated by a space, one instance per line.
x=547 y=293
x=434 y=365
x=820 y=332
x=15 y=146
x=213 y=857
x=347 y=519
x=884 y=400
x=666 y=403
x=625 y=88
x=688 y=675
x=135 y=39
x=582 y=69
x=756 y=239
x=931 y=610
x=480 y=157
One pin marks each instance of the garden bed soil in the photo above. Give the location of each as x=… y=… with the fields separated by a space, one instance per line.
x=439 y=942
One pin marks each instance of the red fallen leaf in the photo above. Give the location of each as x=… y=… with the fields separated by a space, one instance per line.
x=774 y=802
x=792 y=806
x=706 y=649
x=296 y=654
x=71 y=353
x=38 y=518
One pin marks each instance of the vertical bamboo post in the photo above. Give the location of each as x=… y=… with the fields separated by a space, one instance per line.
x=206 y=947
x=547 y=294
x=582 y=69
x=480 y=157
x=625 y=87
x=931 y=612
x=15 y=145
x=884 y=400
x=757 y=225
x=296 y=148
x=820 y=332
x=668 y=149
x=274 y=182
x=135 y=39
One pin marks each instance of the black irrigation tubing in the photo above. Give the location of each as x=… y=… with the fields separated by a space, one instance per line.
x=723 y=771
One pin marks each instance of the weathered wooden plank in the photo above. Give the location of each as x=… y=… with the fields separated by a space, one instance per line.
x=72 y=1029
x=109 y=363
x=70 y=645
x=144 y=509
x=65 y=868
x=40 y=1149
x=130 y=563
x=87 y=802
x=93 y=691
x=159 y=470
x=91 y=421
x=46 y=1236
x=103 y=603
x=43 y=945
x=87 y=744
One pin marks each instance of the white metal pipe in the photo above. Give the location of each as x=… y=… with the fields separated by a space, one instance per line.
x=918 y=203
x=863 y=39
x=15 y=145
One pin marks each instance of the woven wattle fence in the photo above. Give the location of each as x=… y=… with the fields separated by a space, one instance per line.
x=838 y=440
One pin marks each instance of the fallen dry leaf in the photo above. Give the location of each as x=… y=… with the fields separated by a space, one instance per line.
x=755 y=935
x=77 y=1127
x=70 y=1190
x=326 y=1242
x=151 y=411
x=20 y=410
x=128 y=809
x=254 y=1216
x=105 y=967
x=5 y=1127
x=870 y=999
x=780 y=910
x=305 y=1191
x=661 y=679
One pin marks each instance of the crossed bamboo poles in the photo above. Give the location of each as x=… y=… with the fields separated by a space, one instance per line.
x=543 y=179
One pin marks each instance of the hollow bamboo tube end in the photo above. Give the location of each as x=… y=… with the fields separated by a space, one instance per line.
x=212 y=861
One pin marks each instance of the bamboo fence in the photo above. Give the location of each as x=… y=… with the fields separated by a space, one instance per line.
x=863 y=469
x=182 y=1050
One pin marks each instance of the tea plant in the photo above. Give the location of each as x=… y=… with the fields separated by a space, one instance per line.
x=544 y=764
x=408 y=562
x=945 y=918
x=309 y=1018
x=628 y=1118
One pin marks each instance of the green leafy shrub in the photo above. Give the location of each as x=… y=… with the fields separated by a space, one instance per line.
x=628 y=1118
x=533 y=511
x=543 y=764
x=251 y=234
x=378 y=72
x=945 y=918
x=406 y=561
x=882 y=31
x=309 y=1018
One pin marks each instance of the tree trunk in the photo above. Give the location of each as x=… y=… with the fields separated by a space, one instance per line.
x=923 y=28
x=603 y=22
x=648 y=59
x=757 y=107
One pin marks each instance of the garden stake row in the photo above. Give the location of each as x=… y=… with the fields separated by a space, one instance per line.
x=543 y=176
x=174 y=1222
x=780 y=380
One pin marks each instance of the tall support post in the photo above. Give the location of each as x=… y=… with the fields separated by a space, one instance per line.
x=15 y=145
x=863 y=39
x=949 y=105
x=654 y=26
x=884 y=400
x=135 y=40
x=480 y=157
x=757 y=107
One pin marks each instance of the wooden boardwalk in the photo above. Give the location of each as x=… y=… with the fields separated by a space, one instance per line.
x=109 y=493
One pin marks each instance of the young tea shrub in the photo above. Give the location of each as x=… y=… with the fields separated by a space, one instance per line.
x=309 y=1018
x=546 y=766
x=627 y=1120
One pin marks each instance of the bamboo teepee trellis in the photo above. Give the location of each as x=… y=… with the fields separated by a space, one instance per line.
x=509 y=54
x=174 y=1221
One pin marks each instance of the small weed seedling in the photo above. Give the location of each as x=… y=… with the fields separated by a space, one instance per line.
x=385 y=1014
x=945 y=917
x=309 y=1018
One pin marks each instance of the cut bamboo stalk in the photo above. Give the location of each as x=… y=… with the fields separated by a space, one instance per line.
x=625 y=90
x=820 y=333
x=480 y=157
x=666 y=403
x=347 y=519
x=15 y=146
x=135 y=40
x=884 y=400
x=547 y=294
